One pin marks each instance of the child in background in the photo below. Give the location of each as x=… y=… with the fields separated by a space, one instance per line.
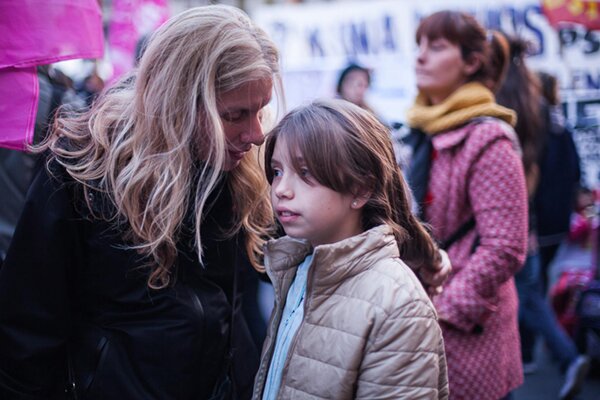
x=576 y=251
x=353 y=84
x=351 y=320
x=582 y=219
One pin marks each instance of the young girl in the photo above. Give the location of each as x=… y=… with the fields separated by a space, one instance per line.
x=351 y=320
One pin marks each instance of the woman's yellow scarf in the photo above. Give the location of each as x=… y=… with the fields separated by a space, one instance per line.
x=470 y=101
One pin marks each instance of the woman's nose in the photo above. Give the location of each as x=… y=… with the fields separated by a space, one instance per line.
x=421 y=52
x=253 y=132
x=420 y=55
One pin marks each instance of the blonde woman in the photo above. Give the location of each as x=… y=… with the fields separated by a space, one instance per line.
x=124 y=269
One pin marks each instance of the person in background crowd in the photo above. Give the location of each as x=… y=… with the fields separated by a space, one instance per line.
x=560 y=176
x=581 y=227
x=351 y=319
x=475 y=201
x=521 y=92
x=123 y=277
x=90 y=87
x=17 y=167
x=353 y=84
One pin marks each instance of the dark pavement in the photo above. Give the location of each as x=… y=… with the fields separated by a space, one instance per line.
x=545 y=383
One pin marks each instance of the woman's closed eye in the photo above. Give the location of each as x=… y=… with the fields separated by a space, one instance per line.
x=234 y=116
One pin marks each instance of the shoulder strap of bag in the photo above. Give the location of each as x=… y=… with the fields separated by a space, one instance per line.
x=459 y=234
x=420 y=164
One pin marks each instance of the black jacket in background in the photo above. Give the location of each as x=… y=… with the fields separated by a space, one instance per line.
x=67 y=283
x=560 y=176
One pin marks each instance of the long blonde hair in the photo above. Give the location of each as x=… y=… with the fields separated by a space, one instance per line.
x=346 y=149
x=142 y=142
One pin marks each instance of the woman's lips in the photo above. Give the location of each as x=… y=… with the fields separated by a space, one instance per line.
x=237 y=154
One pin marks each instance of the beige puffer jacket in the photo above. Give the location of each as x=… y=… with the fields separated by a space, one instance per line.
x=369 y=329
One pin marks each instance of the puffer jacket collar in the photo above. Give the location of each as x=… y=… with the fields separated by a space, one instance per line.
x=337 y=261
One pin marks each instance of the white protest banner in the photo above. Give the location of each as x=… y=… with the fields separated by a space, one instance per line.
x=317 y=40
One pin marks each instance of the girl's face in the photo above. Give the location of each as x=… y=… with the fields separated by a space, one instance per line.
x=239 y=110
x=307 y=209
x=440 y=68
x=354 y=87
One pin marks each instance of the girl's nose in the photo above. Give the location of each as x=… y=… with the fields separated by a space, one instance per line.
x=282 y=189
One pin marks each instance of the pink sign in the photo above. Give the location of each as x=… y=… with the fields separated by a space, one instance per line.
x=36 y=32
x=18 y=106
x=130 y=20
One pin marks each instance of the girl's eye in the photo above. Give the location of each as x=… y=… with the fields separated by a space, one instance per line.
x=276 y=172
x=304 y=172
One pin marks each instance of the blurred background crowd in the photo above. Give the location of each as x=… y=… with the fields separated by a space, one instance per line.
x=319 y=38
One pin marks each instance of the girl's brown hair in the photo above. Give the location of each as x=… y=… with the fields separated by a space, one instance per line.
x=346 y=149
x=464 y=31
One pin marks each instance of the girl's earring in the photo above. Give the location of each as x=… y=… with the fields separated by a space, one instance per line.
x=354 y=203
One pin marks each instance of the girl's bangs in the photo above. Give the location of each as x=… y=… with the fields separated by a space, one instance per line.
x=313 y=141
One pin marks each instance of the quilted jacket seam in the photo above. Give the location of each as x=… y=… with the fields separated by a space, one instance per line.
x=378 y=306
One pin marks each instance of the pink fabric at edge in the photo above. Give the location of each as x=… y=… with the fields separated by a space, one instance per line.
x=37 y=32
x=19 y=92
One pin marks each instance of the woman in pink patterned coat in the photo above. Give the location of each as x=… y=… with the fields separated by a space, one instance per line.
x=476 y=186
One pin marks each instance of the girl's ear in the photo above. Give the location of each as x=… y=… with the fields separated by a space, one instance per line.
x=472 y=64
x=362 y=192
x=360 y=199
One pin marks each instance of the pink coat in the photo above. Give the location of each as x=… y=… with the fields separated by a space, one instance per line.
x=477 y=171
